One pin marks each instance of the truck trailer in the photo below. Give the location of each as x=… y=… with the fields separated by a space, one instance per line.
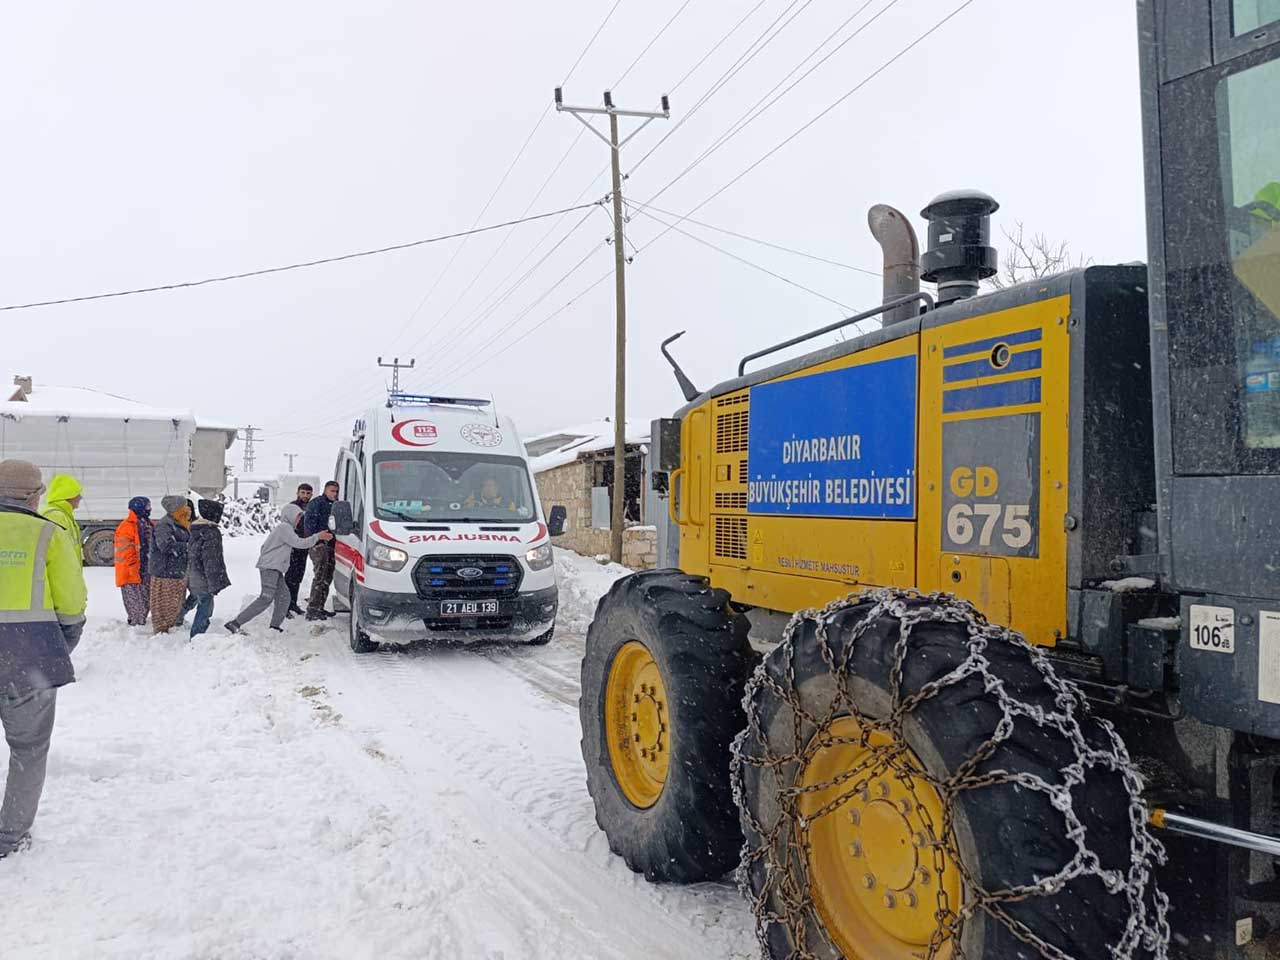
x=116 y=447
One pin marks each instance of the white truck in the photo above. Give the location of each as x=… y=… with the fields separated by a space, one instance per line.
x=117 y=448
x=440 y=534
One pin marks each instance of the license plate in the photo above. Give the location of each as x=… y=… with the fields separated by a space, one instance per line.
x=468 y=608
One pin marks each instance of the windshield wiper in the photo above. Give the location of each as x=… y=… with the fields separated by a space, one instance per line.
x=402 y=516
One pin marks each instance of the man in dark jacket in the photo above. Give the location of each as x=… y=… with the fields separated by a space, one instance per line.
x=206 y=565
x=298 y=559
x=314 y=521
x=42 y=598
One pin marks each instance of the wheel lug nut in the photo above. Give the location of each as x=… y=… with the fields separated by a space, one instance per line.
x=854 y=817
x=919 y=841
x=922 y=875
x=635 y=697
x=890 y=900
x=855 y=849
x=911 y=899
x=869 y=881
x=905 y=807
x=883 y=789
x=637 y=738
x=635 y=717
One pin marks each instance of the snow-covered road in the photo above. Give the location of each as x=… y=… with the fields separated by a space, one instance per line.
x=278 y=796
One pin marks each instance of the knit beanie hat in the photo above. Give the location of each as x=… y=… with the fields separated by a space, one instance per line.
x=172 y=502
x=19 y=480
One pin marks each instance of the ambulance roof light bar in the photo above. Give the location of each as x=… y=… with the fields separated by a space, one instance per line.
x=424 y=400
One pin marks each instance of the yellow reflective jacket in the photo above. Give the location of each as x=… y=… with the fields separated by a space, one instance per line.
x=61 y=489
x=42 y=602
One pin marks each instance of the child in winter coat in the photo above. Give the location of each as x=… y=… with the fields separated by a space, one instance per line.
x=133 y=574
x=273 y=563
x=168 y=563
x=206 y=565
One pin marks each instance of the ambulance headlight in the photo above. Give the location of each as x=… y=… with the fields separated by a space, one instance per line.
x=539 y=558
x=387 y=558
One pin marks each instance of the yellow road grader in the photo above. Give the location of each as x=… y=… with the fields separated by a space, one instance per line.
x=974 y=645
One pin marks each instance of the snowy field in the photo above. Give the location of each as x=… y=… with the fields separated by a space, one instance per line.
x=277 y=796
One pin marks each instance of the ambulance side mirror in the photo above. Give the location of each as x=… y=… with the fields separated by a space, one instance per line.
x=555 y=522
x=340 y=518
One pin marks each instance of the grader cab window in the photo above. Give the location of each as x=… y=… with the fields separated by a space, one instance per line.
x=1249 y=15
x=1250 y=155
x=1222 y=244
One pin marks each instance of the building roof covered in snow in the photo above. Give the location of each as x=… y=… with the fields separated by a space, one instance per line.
x=54 y=400
x=558 y=447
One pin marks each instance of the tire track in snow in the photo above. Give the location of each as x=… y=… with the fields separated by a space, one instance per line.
x=468 y=731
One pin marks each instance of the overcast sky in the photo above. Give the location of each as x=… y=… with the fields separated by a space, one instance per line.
x=153 y=142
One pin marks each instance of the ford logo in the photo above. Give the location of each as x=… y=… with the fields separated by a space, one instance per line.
x=470 y=573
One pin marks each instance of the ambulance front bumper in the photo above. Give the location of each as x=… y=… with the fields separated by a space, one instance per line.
x=399 y=618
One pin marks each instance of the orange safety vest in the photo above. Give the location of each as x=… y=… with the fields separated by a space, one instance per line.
x=128 y=558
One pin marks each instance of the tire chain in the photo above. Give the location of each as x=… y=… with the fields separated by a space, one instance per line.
x=785 y=896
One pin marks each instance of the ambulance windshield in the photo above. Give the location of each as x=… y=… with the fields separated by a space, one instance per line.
x=451 y=488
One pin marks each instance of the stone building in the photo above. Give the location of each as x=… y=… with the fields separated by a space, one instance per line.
x=574 y=469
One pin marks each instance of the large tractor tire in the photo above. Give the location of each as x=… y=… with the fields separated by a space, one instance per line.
x=916 y=782
x=665 y=667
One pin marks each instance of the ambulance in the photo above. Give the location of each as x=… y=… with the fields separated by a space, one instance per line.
x=438 y=532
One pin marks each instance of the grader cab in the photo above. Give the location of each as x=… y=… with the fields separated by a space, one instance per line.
x=974 y=647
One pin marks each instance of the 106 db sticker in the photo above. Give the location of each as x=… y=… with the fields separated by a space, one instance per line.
x=1213 y=629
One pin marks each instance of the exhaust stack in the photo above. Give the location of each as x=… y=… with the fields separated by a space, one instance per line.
x=901 y=251
x=960 y=252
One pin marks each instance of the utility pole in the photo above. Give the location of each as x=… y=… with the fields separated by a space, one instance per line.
x=395 y=366
x=289 y=457
x=620 y=283
x=249 y=440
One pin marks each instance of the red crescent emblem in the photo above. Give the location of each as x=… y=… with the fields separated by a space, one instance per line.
x=415 y=433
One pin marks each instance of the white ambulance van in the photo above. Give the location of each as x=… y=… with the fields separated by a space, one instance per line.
x=439 y=533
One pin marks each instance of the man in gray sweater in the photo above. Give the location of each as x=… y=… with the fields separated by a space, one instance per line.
x=273 y=563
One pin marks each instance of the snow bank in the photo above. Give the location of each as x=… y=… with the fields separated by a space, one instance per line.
x=583 y=581
x=248 y=517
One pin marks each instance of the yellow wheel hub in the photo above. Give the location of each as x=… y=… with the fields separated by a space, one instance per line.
x=874 y=879
x=637 y=724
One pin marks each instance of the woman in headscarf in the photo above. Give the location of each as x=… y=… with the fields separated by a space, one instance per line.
x=133 y=574
x=169 y=563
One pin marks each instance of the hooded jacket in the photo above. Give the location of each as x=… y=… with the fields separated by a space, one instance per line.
x=42 y=600
x=207 y=567
x=282 y=541
x=133 y=543
x=168 y=559
x=61 y=489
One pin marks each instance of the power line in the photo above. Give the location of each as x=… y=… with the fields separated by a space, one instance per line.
x=755 y=111
x=484 y=314
x=537 y=326
x=296 y=266
x=511 y=166
x=813 y=120
x=483 y=210
x=750 y=263
x=753 y=50
x=646 y=207
x=717 y=45
x=656 y=37
x=590 y=43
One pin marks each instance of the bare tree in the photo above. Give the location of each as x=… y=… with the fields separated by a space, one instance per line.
x=1032 y=257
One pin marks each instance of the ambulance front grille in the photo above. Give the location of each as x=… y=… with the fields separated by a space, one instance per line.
x=437 y=577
